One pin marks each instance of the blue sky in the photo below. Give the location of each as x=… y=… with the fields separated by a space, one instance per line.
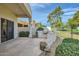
x=40 y=11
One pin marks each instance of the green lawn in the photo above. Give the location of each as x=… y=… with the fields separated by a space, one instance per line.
x=69 y=47
x=67 y=34
x=76 y=30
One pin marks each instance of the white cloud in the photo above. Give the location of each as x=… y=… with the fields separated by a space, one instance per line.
x=38 y=5
x=70 y=11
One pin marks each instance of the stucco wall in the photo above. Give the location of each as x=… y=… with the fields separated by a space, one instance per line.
x=23 y=29
x=7 y=14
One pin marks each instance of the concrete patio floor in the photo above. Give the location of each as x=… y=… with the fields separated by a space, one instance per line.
x=21 y=47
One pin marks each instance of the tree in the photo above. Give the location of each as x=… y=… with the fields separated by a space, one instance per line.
x=40 y=25
x=54 y=18
x=70 y=23
x=76 y=18
x=59 y=24
x=73 y=22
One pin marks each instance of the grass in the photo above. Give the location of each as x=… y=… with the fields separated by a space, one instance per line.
x=75 y=30
x=66 y=34
x=69 y=47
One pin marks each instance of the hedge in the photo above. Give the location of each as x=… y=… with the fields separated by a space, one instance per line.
x=24 y=34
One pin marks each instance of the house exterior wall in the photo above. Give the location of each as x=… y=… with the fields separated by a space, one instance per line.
x=7 y=14
x=23 y=29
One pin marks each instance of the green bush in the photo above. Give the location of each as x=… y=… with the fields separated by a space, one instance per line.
x=40 y=29
x=24 y=34
x=69 y=47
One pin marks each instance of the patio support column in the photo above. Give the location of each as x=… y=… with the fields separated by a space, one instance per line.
x=30 y=27
x=0 y=30
x=15 y=29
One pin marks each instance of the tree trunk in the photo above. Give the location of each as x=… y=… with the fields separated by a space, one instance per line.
x=71 y=33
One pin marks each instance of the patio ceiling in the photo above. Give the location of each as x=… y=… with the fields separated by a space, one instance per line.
x=19 y=9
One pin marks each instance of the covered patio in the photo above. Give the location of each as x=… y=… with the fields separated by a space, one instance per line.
x=9 y=12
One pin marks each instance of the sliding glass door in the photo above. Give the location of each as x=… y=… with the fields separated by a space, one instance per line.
x=7 y=30
x=10 y=30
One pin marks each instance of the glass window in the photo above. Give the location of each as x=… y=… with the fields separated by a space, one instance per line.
x=25 y=25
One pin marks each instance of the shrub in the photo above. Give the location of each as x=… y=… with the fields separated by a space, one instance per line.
x=40 y=29
x=69 y=47
x=63 y=30
x=24 y=34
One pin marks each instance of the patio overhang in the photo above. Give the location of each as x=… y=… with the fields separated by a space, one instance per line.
x=19 y=9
